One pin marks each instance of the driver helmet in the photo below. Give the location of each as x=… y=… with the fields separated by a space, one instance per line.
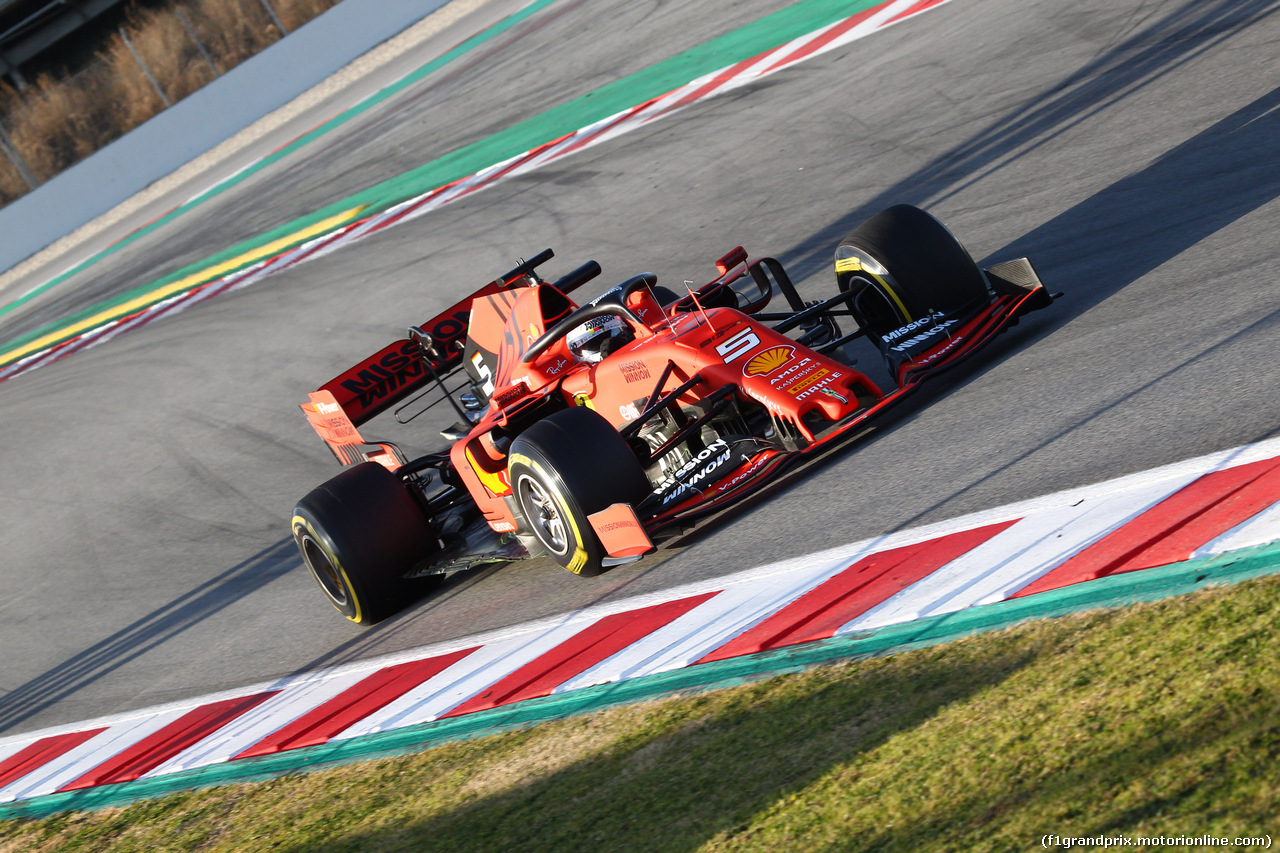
x=598 y=337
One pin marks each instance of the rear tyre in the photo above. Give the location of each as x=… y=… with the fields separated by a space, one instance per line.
x=565 y=468
x=908 y=266
x=359 y=534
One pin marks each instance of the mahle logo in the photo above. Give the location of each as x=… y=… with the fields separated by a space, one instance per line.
x=768 y=361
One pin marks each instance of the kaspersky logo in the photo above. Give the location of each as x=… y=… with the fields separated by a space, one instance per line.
x=768 y=361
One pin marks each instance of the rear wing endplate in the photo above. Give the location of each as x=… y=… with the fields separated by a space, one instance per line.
x=332 y=424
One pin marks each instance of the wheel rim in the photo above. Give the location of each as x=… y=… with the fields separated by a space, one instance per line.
x=324 y=571
x=544 y=515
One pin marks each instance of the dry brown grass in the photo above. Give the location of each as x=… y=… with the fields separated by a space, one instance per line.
x=56 y=123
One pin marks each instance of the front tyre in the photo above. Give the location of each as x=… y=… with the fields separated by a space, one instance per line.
x=907 y=267
x=359 y=534
x=565 y=468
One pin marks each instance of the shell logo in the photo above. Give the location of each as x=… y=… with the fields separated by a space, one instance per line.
x=768 y=361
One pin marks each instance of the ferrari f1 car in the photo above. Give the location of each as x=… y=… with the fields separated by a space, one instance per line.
x=593 y=433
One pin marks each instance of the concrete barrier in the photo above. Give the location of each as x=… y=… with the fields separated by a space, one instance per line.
x=197 y=123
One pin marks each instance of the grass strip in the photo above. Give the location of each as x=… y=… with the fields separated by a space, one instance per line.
x=1109 y=592
x=1152 y=721
x=752 y=39
x=280 y=153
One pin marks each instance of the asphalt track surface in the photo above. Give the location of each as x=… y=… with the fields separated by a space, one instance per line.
x=1129 y=148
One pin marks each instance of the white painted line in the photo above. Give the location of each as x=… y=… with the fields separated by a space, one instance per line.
x=1051 y=530
x=11 y=749
x=466 y=678
x=1009 y=561
x=85 y=757
x=294 y=701
x=776 y=59
x=1262 y=529
x=711 y=624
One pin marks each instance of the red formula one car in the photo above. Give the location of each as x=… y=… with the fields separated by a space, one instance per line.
x=593 y=433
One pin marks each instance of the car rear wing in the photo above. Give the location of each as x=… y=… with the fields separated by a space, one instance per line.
x=397 y=370
x=432 y=352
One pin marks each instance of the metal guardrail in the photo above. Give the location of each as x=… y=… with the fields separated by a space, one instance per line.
x=34 y=26
x=47 y=24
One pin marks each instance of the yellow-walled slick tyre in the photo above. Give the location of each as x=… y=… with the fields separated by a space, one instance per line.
x=359 y=533
x=912 y=266
x=564 y=468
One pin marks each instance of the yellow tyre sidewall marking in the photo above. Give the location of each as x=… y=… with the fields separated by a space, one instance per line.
x=299 y=521
x=855 y=265
x=884 y=285
x=579 y=559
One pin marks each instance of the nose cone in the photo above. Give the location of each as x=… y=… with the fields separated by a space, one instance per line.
x=793 y=381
